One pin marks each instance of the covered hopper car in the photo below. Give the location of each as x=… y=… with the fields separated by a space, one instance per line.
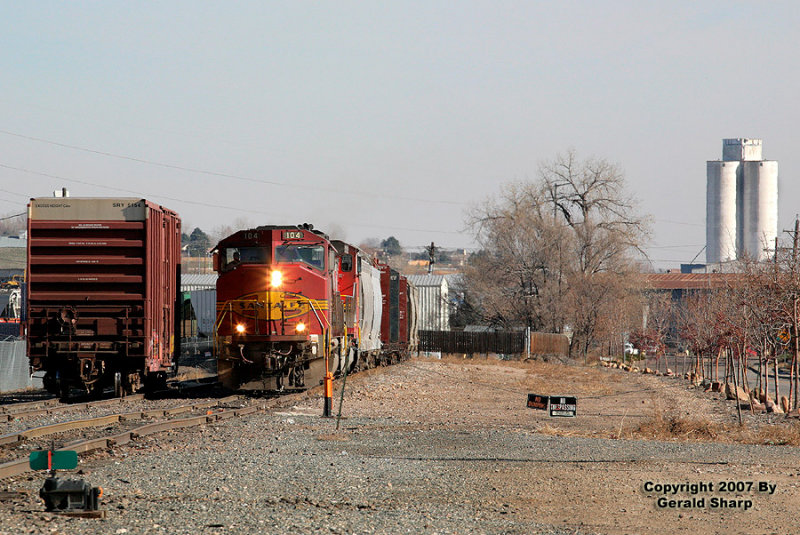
x=293 y=306
x=103 y=280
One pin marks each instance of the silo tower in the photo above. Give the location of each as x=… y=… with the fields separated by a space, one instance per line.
x=741 y=203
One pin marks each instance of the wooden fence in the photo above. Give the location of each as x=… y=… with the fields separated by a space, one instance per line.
x=472 y=342
x=500 y=342
x=549 y=344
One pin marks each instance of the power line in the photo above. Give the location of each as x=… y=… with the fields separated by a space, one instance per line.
x=228 y=175
x=208 y=205
x=673 y=246
x=123 y=190
x=14 y=193
x=680 y=223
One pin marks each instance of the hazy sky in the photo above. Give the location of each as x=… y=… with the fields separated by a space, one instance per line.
x=390 y=118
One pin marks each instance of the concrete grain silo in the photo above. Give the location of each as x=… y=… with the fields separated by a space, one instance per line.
x=759 y=209
x=741 y=203
x=721 y=228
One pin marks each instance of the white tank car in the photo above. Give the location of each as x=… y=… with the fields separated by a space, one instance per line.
x=413 y=316
x=370 y=305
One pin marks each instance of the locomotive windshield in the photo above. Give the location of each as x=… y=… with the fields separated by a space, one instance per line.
x=245 y=255
x=313 y=255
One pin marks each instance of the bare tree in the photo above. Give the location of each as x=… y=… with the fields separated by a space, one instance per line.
x=220 y=232
x=557 y=253
x=659 y=319
x=517 y=273
x=12 y=225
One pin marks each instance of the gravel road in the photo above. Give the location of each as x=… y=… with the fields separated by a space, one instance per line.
x=426 y=447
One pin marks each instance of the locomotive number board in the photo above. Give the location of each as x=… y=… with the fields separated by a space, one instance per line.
x=292 y=234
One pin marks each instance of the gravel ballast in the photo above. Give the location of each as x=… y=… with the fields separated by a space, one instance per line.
x=414 y=455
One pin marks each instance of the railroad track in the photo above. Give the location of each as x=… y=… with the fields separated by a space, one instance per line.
x=13 y=412
x=34 y=436
x=20 y=398
x=18 y=407
x=16 y=410
x=116 y=438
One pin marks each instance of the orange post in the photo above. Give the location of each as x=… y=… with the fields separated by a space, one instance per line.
x=328 y=383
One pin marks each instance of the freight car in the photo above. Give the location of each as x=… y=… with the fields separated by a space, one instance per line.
x=103 y=280
x=294 y=306
x=400 y=312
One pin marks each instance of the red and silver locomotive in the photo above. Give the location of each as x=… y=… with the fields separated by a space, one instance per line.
x=294 y=306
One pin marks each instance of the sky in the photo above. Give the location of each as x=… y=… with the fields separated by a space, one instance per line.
x=377 y=119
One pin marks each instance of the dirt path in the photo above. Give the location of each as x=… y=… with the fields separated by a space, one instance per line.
x=449 y=446
x=604 y=486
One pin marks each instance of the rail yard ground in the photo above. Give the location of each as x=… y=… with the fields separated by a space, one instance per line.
x=449 y=446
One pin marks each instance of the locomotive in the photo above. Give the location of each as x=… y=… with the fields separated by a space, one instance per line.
x=295 y=307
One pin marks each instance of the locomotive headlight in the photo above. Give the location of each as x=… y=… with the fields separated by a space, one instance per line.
x=300 y=327
x=240 y=328
x=276 y=279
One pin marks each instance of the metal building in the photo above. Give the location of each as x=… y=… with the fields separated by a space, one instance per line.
x=741 y=203
x=198 y=281
x=200 y=289
x=434 y=308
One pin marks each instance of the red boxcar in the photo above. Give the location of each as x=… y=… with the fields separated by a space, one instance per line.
x=398 y=321
x=103 y=280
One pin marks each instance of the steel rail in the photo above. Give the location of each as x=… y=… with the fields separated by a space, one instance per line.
x=50 y=409
x=100 y=421
x=21 y=466
x=9 y=408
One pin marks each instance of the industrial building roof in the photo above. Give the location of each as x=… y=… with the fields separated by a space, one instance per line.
x=690 y=281
x=13 y=252
x=427 y=280
x=13 y=241
x=198 y=281
x=13 y=258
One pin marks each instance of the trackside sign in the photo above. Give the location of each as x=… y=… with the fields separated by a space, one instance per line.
x=535 y=401
x=557 y=406
x=563 y=406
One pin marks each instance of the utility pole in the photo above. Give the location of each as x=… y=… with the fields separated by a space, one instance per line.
x=431 y=257
x=794 y=369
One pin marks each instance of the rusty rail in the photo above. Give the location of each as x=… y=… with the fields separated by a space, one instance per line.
x=20 y=466
x=51 y=408
x=101 y=421
x=9 y=408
